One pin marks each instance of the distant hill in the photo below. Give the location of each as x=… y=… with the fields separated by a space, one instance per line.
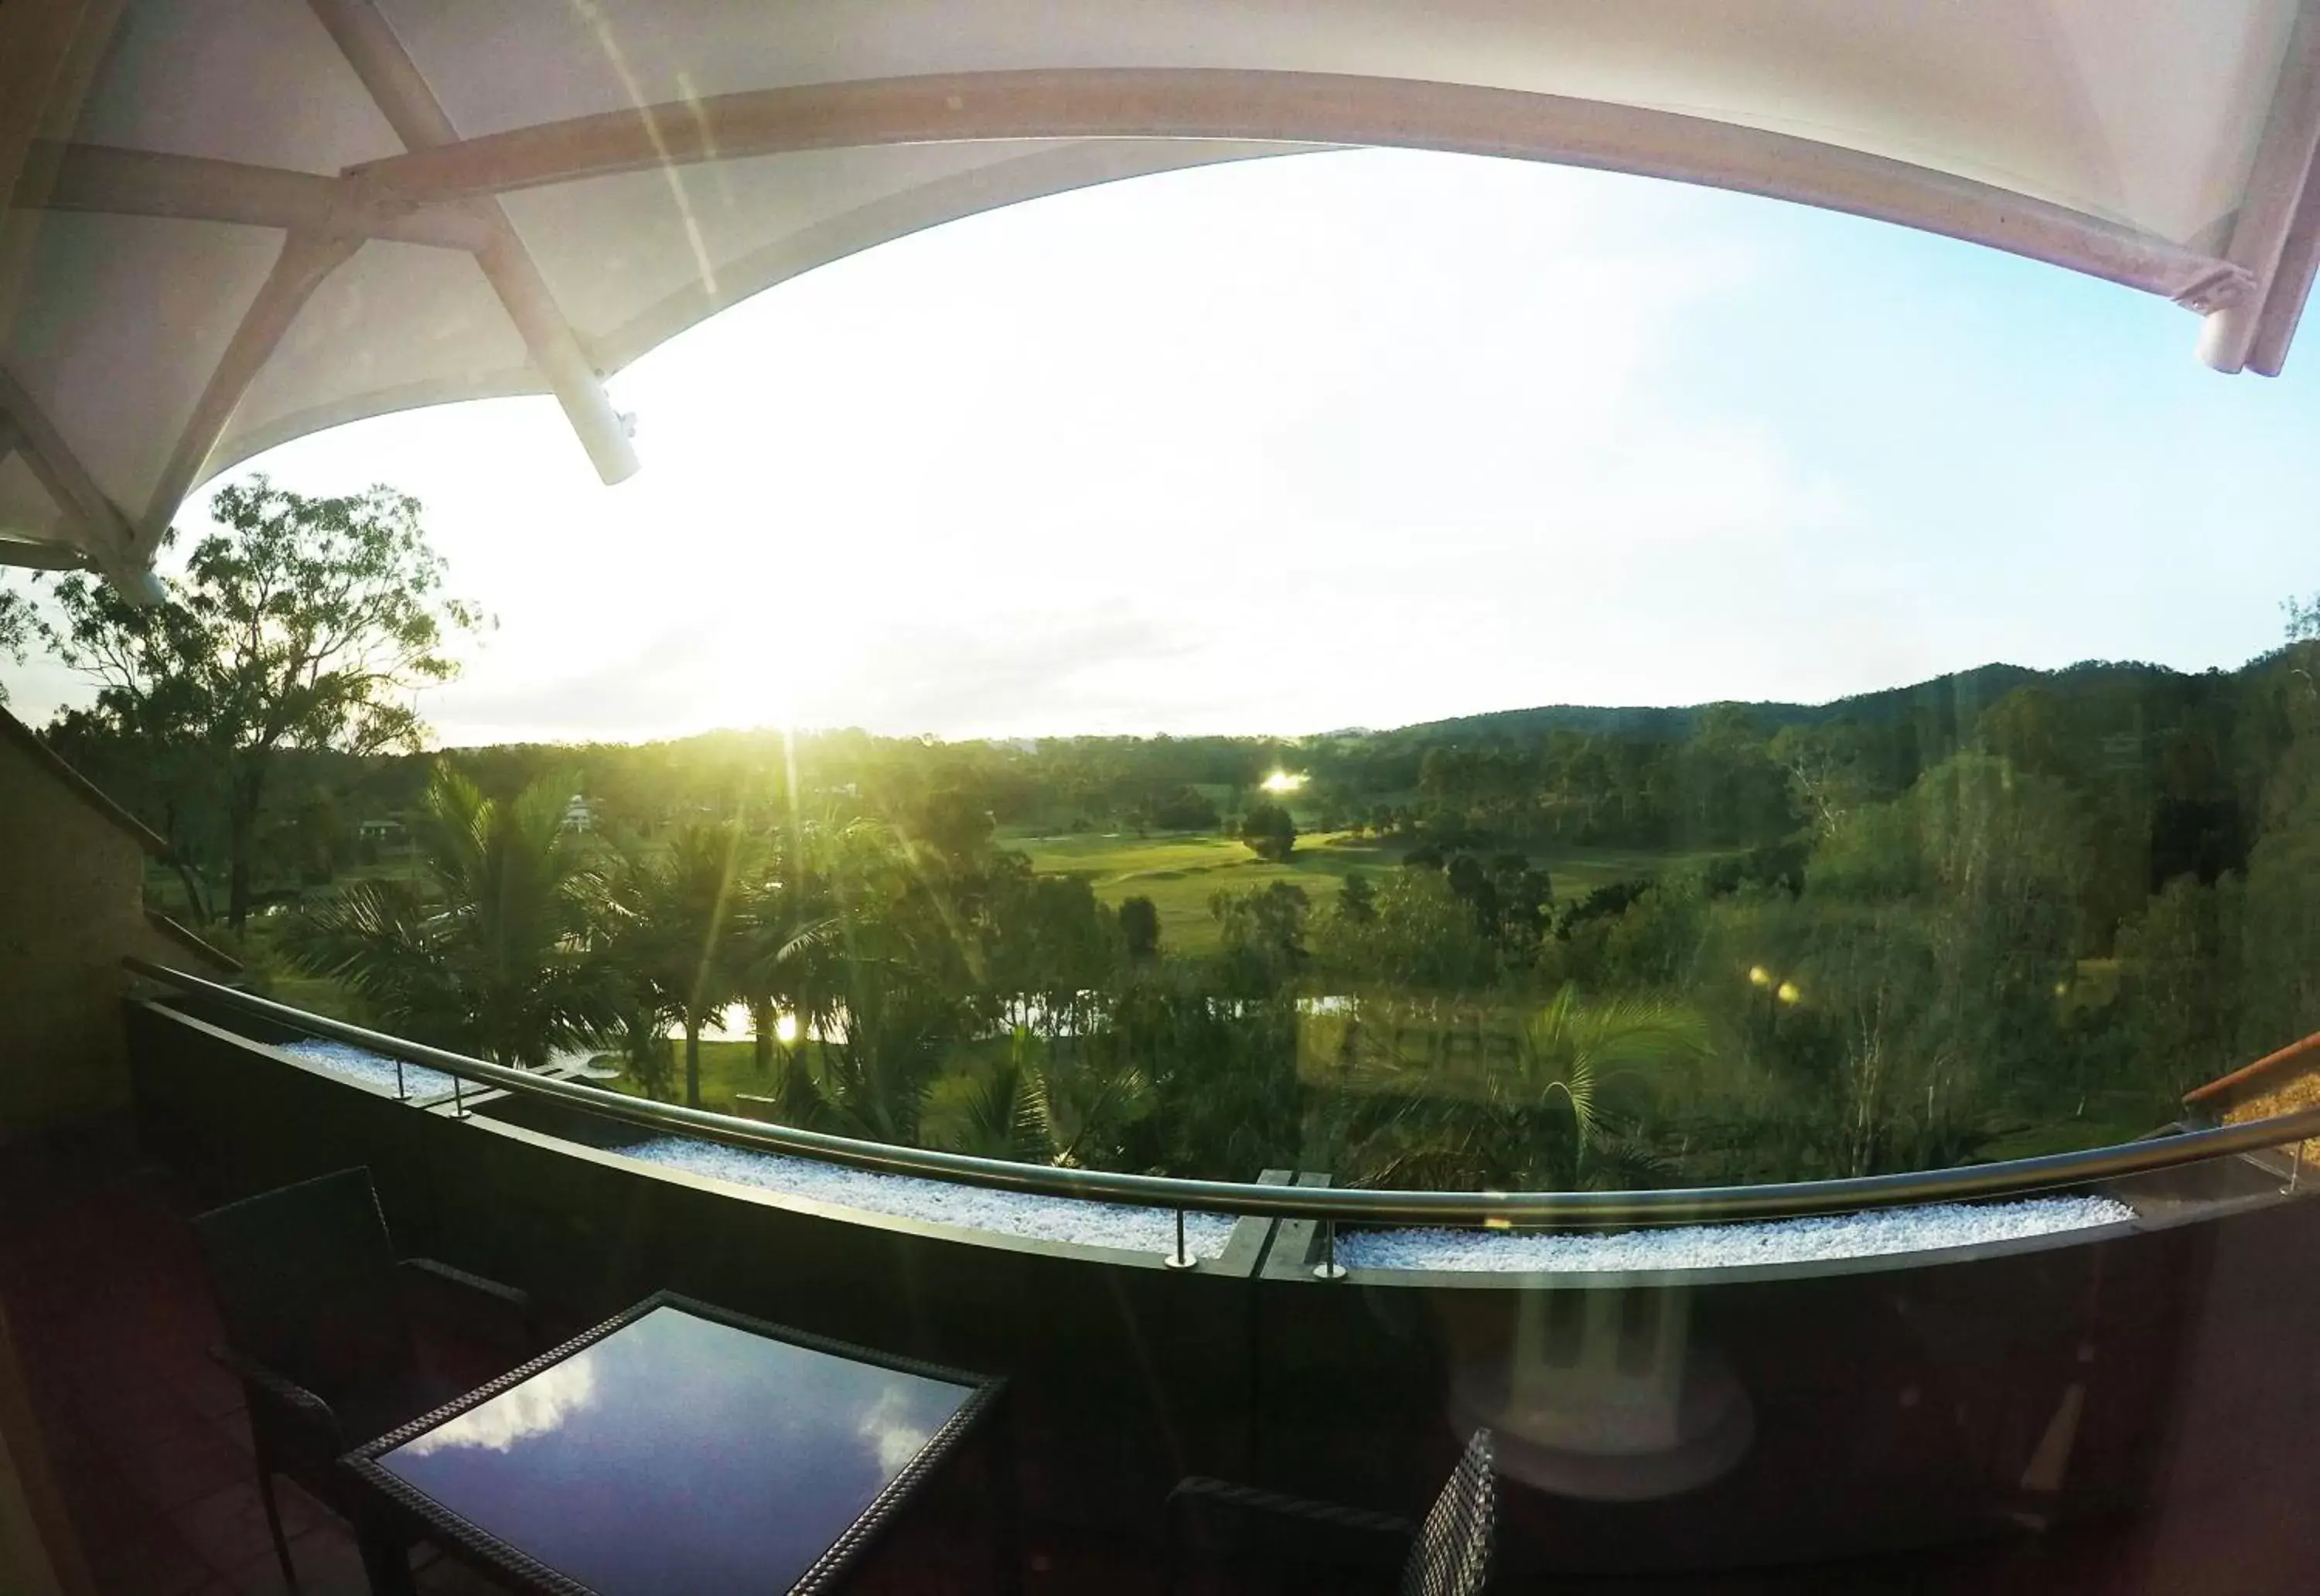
x=1961 y=694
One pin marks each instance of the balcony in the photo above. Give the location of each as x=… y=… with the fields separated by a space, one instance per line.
x=2102 y=1408
x=227 y=229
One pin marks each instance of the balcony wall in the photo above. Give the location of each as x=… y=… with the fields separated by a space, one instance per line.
x=71 y=908
x=2125 y=1381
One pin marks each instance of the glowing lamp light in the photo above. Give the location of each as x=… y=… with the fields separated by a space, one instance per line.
x=786 y=1029
x=1758 y=975
x=1789 y=993
x=1281 y=780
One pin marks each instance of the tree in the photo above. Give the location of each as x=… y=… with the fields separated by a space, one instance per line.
x=1268 y=829
x=498 y=954
x=1139 y=929
x=1415 y=932
x=784 y=930
x=1558 y=1117
x=1000 y=1115
x=15 y=630
x=679 y=916
x=1186 y=809
x=1264 y=934
x=306 y=624
x=901 y=993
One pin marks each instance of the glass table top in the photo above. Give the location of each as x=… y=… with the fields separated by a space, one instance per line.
x=680 y=1455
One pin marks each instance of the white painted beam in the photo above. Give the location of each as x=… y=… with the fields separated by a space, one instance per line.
x=97 y=178
x=2276 y=190
x=2291 y=284
x=1312 y=108
x=41 y=557
x=305 y=260
x=103 y=532
x=24 y=554
x=368 y=42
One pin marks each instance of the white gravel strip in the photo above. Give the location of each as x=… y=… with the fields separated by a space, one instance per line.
x=374 y=1070
x=1873 y=1234
x=948 y=1203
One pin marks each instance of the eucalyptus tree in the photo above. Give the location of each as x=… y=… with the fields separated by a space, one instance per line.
x=15 y=630
x=496 y=949
x=304 y=623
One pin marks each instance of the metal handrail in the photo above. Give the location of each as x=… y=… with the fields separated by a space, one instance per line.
x=1343 y=1205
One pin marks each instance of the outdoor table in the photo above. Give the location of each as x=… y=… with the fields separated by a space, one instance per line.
x=675 y=1448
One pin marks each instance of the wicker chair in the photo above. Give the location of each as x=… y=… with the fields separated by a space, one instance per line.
x=320 y=1329
x=1449 y=1553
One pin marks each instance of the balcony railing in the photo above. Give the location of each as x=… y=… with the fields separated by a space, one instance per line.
x=2015 y=1177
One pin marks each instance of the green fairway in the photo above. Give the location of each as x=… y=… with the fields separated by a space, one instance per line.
x=1179 y=872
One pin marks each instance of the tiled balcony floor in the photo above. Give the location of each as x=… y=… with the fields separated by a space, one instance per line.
x=106 y=1302
x=145 y=1437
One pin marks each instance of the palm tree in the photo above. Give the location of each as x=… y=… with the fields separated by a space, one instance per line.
x=497 y=951
x=782 y=934
x=999 y=1115
x=677 y=935
x=1569 y=1051
x=1542 y=1124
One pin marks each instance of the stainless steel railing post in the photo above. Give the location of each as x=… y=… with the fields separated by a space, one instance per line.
x=1179 y=1258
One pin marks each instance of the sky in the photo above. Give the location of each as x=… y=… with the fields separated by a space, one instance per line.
x=1355 y=439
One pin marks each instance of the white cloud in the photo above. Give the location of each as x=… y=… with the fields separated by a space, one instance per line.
x=893 y=1433
x=540 y=1406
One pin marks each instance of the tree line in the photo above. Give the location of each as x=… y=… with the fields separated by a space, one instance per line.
x=1998 y=913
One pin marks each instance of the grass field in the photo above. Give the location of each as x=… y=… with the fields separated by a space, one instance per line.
x=1179 y=871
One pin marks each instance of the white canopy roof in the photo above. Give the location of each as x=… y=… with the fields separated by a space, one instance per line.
x=234 y=222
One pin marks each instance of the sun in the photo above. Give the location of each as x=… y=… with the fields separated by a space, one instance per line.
x=1282 y=781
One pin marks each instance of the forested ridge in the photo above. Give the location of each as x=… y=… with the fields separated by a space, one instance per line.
x=1997 y=912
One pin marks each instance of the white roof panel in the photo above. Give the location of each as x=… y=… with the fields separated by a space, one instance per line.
x=373 y=203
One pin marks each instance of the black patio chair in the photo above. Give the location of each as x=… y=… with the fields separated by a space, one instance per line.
x=1449 y=1553
x=320 y=1330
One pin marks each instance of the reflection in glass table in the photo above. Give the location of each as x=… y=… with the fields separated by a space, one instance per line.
x=677 y=1448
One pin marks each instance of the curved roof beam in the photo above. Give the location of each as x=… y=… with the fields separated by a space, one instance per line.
x=1313 y=108
x=368 y=42
x=102 y=178
x=306 y=259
